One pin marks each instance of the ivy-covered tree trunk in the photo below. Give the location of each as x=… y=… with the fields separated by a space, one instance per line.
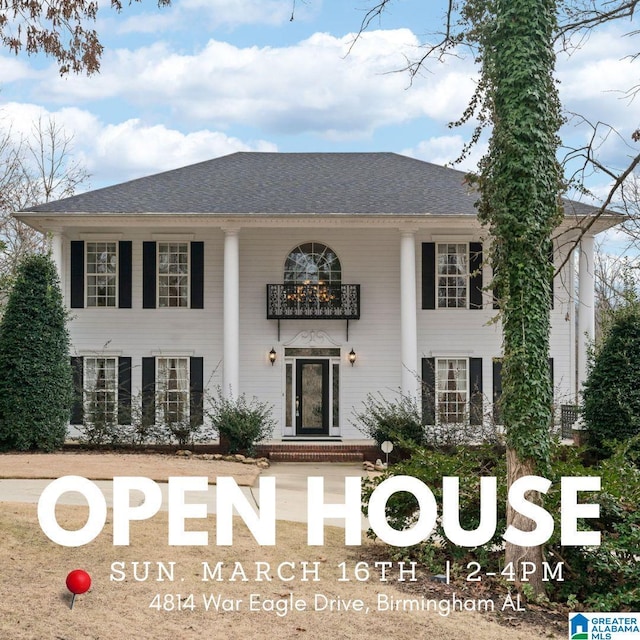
x=520 y=182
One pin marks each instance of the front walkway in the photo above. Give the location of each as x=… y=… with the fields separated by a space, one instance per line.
x=291 y=490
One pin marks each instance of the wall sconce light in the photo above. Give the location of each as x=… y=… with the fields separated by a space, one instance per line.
x=352 y=356
x=272 y=356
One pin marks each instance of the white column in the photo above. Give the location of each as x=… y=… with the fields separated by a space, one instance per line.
x=586 y=305
x=573 y=364
x=409 y=381
x=231 y=352
x=56 y=251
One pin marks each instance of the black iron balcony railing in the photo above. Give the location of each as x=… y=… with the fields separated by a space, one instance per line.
x=307 y=301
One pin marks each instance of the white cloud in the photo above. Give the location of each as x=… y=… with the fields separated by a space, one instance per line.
x=318 y=85
x=21 y=118
x=143 y=23
x=595 y=80
x=116 y=152
x=445 y=150
x=13 y=69
x=130 y=149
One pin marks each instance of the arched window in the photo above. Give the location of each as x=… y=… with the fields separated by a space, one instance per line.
x=312 y=263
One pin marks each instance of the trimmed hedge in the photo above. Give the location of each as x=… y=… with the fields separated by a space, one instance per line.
x=611 y=394
x=36 y=389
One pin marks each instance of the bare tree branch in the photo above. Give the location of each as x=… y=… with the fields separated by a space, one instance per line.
x=57 y=28
x=581 y=18
x=32 y=170
x=585 y=224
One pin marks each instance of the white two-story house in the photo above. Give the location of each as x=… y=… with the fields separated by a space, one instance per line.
x=307 y=280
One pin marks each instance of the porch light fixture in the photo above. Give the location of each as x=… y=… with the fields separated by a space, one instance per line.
x=352 y=356
x=272 y=356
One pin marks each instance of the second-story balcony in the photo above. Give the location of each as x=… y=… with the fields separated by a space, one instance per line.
x=292 y=301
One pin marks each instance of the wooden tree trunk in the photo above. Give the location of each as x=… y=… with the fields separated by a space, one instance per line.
x=515 y=556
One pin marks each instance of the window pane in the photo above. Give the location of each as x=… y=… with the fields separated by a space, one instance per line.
x=312 y=398
x=451 y=390
x=101 y=390
x=312 y=263
x=173 y=274
x=452 y=275
x=173 y=390
x=101 y=273
x=289 y=395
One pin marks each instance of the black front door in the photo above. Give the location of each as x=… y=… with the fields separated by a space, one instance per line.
x=312 y=397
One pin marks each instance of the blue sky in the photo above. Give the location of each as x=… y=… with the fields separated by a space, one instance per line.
x=208 y=77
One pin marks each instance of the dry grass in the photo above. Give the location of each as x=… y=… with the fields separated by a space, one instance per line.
x=35 y=602
x=104 y=466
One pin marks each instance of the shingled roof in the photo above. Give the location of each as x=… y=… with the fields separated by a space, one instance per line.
x=287 y=183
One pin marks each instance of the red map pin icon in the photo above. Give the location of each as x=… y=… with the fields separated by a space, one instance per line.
x=78 y=581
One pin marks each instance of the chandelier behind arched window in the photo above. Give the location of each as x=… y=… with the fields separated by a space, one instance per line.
x=312 y=263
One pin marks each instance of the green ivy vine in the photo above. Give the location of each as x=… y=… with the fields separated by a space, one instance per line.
x=520 y=182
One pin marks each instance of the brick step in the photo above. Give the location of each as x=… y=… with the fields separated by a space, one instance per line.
x=315 y=456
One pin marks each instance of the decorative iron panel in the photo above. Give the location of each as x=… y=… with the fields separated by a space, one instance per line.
x=312 y=301
x=568 y=416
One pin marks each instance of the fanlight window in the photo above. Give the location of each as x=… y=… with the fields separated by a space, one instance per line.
x=312 y=263
x=312 y=287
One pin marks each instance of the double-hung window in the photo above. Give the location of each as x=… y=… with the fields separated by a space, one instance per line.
x=102 y=274
x=452 y=275
x=173 y=390
x=173 y=274
x=452 y=390
x=101 y=390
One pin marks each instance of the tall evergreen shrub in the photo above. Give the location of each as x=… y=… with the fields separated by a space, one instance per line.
x=611 y=394
x=36 y=388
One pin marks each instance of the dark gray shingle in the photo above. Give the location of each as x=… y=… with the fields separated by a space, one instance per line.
x=281 y=183
x=287 y=183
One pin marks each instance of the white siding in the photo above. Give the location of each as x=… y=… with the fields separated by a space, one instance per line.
x=369 y=257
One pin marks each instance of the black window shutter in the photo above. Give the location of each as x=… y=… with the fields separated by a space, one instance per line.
x=475 y=277
x=124 y=390
x=148 y=275
x=149 y=390
x=428 y=390
x=475 y=390
x=77 y=408
x=124 y=274
x=197 y=275
x=77 y=274
x=551 y=373
x=196 y=389
x=428 y=275
x=497 y=390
